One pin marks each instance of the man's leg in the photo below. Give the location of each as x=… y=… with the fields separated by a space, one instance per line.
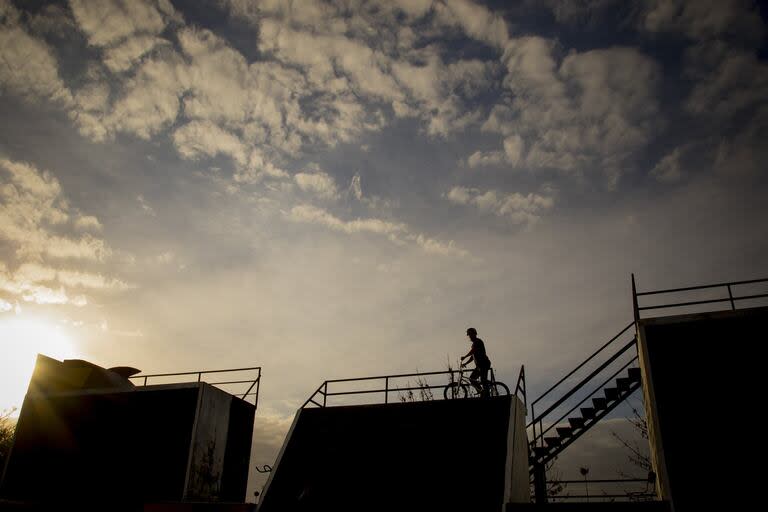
x=474 y=377
x=484 y=379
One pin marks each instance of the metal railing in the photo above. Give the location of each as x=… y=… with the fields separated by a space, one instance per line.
x=646 y=494
x=538 y=420
x=729 y=286
x=395 y=384
x=253 y=382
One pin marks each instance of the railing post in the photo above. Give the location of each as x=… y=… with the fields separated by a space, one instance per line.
x=730 y=296
x=634 y=301
x=199 y=376
x=386 y=390
x=539 y=483
x=145 y=381
x=325 y=392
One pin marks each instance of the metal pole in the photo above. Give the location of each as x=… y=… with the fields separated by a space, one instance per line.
x=634 y=301
x=325 y=392
x=386 y=390
x=539 y=483
x=730 y=296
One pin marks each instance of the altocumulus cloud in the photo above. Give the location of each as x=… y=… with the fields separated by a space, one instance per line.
x=524 y=209
x=47 y=237
x=397 y=233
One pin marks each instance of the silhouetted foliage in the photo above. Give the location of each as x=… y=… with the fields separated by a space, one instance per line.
x=423 y=393
x=555 y=486
x=637 y=456
x=7 y=429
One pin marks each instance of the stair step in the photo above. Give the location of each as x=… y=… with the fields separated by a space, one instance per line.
x=552 y=441
x=634 y=374
x=540 y=450
x=611 y=393
x=623 y=383
x=564 y=431
x=576 y=422
x=587 y=412
x=600 y=403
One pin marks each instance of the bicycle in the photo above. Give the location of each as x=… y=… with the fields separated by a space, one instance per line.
x=463 y=387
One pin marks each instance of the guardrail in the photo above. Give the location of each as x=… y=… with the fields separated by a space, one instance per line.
x=605 y=490
x=253 y=382
x=729 y=287
x=397 y=383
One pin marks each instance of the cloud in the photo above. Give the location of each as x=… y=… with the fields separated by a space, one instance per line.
x=5 y=306
x=42 y=231
x=475 y=20
x=28 y=66
x=106 y=22
x=728 y=102
x=433 y=246
x=521 y=209
x=19 y=285
x=88 y=222
x=594 y=109
x=703 y=19
x=145 y=207
x=313 y=215
x=395 y=232
x=373 y=202
x=204 y=138
x=588 y=12
x=125 y=55
x=76 y=279
x=355 y=187
x=736 y=82
x=668 y=169
x=317 y=183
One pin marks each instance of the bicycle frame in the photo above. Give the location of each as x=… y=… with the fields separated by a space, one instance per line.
x=465 y=381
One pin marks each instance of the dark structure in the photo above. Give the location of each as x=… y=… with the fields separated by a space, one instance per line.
x=88 y=435
x=691 y=429
x=430 y=455
x=698 y=374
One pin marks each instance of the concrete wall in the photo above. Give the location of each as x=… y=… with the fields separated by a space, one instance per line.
x=209 y=442
x=701 y=376
x=435 y=455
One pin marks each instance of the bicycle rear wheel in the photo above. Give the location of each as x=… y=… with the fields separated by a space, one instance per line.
x=455 y=390
x=499 y=389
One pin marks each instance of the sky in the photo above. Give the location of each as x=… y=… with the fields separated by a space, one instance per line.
x=339 y=189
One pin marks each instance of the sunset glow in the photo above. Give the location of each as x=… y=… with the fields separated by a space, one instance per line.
x=21 y=339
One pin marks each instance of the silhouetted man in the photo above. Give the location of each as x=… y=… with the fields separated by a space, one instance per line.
x=482 y=363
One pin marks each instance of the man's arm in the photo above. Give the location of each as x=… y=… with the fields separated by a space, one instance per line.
x=469 y=355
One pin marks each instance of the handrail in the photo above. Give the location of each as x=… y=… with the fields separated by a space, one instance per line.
x=520 y=386
x=387 y=389
x=538 y=419
x=588 y=378
x=728 y=285
x=704 y=286
x=255 y=382
x=583 y=363
x=598 y=388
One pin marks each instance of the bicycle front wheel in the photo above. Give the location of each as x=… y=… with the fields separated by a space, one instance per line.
x=455 y=390
x=499 y=389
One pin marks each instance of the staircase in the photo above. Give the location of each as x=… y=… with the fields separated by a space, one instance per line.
x=547 y=442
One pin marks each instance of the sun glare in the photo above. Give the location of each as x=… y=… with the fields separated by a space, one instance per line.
x=21 y=339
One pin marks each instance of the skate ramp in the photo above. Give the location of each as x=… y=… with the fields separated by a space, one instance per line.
x=468 y=454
